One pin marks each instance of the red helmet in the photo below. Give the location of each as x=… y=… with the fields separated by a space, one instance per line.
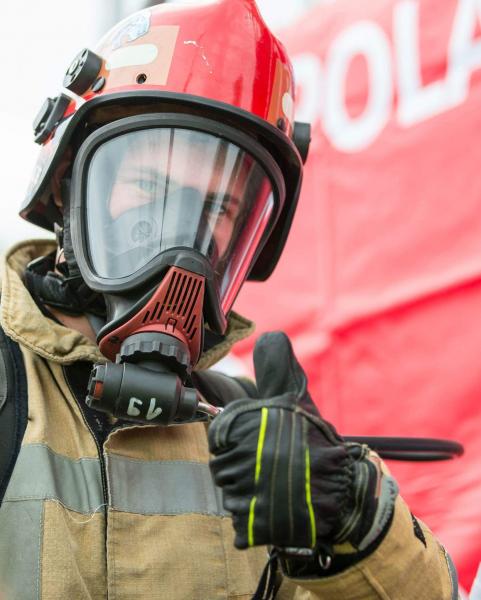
x=217 y=60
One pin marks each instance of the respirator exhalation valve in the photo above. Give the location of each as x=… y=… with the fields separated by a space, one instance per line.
x=155 y=351
x=175 y=309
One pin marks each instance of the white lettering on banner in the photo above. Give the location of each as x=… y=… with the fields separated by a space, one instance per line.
x=416 y=103
x=323 y=86
x=345 y=132
x=132 y=410
x=464 y=54
x=153 y=412
x=307 y=67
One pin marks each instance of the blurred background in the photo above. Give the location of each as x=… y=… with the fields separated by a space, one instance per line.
x=380 y=284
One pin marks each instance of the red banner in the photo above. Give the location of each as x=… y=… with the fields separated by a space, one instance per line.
x=380 y=284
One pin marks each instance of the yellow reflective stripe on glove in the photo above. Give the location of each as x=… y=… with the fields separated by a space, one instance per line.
x=260 y=445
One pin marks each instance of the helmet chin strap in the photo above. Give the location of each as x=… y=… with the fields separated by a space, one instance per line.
x=58 y=283
x=50 y=284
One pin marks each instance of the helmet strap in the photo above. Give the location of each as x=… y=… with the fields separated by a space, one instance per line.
x=50 y=285
x=59 y=284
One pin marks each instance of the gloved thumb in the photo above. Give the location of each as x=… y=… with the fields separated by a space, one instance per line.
x=276 y=367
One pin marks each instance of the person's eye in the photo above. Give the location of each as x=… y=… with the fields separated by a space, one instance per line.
x=221 y=209
x=149 y=186
x=227 y=207
x=211 y=205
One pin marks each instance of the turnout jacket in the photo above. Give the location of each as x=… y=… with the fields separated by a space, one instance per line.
x=132 y=511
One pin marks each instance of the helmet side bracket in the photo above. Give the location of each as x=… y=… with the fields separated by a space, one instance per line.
x=302 y=138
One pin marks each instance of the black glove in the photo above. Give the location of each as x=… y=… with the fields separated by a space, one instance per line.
x=287 y=477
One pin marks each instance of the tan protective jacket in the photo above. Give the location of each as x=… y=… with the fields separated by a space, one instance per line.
x=140 y=516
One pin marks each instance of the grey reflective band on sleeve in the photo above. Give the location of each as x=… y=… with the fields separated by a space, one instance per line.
x=21 y=525
x=41 y=474
x=162 y=487
x=384 y=510
x=454 y=576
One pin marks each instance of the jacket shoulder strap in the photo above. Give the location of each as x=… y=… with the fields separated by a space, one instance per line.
x=13 y=407
x=220 y=389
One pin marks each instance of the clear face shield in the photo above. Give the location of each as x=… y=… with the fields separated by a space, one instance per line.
x=153 y=190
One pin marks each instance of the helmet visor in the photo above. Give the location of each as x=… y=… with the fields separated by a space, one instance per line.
x=152 y=190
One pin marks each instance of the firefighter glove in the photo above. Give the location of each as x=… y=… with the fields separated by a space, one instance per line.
x=287 y=477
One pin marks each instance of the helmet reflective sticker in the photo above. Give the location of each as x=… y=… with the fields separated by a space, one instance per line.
x=132 y=56
x=154 y=51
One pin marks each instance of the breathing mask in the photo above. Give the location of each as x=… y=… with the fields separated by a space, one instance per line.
x=182 y=165
x=168 y=213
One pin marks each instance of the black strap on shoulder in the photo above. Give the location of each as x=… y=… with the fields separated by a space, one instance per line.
x=220 y=389
x=13 y=407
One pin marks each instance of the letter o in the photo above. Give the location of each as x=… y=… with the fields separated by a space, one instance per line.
x=308 y=75
x=346 y=133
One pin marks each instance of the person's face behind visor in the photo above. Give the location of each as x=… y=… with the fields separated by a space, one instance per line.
x=173 y=187
x=146 y=177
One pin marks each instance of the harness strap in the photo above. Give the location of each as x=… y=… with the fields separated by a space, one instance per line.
x=13 y=407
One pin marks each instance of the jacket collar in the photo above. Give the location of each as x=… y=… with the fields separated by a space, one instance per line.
x=22 y=320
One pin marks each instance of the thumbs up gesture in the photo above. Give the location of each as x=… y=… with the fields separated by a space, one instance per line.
x=287 y=477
